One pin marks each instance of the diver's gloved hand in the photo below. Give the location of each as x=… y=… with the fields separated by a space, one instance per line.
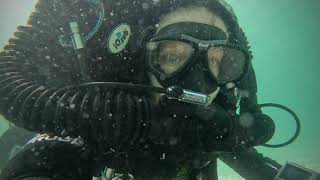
x=215 y=129
x=201 y=126
x=225 y=130
x=259 y=128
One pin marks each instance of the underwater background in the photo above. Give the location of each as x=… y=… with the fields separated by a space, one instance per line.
x=285 y=40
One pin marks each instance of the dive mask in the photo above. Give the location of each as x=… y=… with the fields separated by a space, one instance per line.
x=171 y=54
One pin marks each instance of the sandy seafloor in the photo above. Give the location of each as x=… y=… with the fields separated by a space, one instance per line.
x=284 y=35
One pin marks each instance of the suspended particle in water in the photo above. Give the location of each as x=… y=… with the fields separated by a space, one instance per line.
x=145 y=6
x=37 y=153
x=86 y=116
x=246 y=120
x=47 y=57
x=173 y=141
x=72 y=106
x=163 y=157
x=244 y=93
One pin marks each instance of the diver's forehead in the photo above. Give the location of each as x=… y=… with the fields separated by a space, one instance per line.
x=195 y=14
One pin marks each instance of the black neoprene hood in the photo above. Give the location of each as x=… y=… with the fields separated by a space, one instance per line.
x=196 y=30
x=219 y=7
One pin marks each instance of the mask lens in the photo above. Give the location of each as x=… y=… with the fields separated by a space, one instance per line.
x=226 y=64
x=168 y=57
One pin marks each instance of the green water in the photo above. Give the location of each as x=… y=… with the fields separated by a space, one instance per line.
x=284 y=35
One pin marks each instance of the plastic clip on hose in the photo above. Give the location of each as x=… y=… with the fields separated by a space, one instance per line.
x=78 y=45
x=76 y=37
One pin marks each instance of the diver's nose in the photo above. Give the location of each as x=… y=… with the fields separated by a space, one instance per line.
x=197 y=79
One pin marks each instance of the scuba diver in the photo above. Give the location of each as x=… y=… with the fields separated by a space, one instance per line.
x=135 y=90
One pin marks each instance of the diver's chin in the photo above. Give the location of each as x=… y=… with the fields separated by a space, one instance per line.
x=212 y=96
x=154 y=82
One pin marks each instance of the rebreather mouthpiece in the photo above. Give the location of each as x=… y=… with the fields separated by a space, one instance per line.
x=175 y=92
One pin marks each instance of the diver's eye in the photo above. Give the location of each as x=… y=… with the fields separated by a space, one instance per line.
x=173 y=55
x=169 y=59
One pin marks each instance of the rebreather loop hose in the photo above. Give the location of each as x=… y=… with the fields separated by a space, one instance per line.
x=295 y=117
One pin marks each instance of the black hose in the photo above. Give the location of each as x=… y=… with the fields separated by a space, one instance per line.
x=89 y=110
x=98 y=108
x=294 y=115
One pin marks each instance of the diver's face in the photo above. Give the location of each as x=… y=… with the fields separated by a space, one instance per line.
x=201 y=76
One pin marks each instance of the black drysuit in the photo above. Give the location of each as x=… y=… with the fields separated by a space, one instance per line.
x=59 y=158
